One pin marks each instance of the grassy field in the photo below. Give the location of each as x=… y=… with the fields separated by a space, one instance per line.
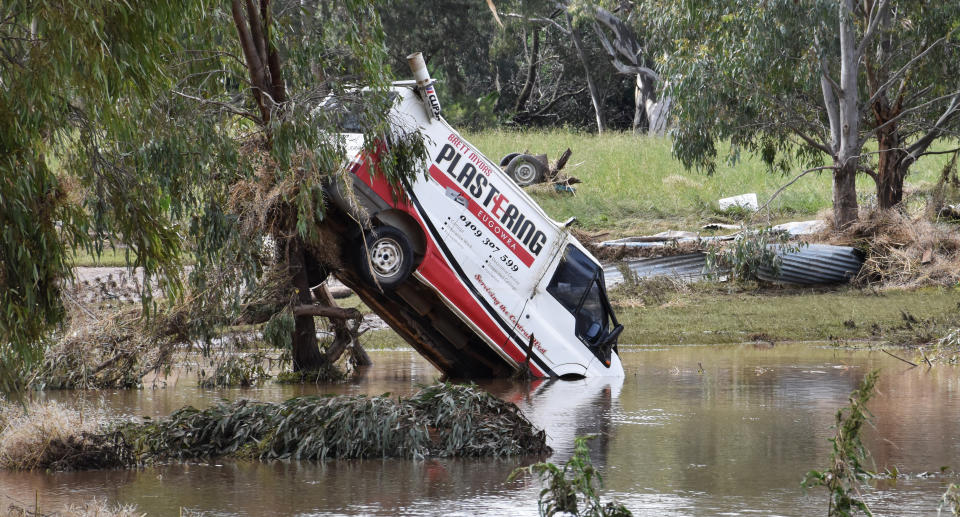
x=711 y=313
x=723 y=314
x=632 y=184
x=109 y=257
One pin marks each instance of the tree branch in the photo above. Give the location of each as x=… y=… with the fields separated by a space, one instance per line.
x=830 y=89
x=791 y=182
x=327 y=312
x=904 y=69
x=256 y=30
x=531 y=73
x=868 y=171
x=540 y=112
x=542 y=21
x=811 y=142
x=946 y=116
x=254 y=65
x=875 y=18
x=924 y=142
x=931 y=153
x=277 y=88
x=226 y=107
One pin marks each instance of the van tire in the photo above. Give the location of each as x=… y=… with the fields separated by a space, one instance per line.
x=525 y=170
x=506 y=159
x=387 y=257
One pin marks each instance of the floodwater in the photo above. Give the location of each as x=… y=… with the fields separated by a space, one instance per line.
x=734 y=438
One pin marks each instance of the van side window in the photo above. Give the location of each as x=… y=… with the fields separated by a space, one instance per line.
x=575 y=286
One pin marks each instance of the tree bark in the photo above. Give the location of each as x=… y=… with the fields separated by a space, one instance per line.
x=306 y=353
x=847 y=160
x=845 y=209
x=591 y=85
x=641 y=92
x=255 y=65
x=893 y=162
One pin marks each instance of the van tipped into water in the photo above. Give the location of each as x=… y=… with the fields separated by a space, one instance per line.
x=467 y=268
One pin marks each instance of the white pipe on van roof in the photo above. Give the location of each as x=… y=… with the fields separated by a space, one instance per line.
x=431 y=103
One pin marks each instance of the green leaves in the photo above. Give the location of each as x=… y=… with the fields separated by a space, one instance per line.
x=847 y=472
x=134 y=124
x=71 y=77
x=565 y=487
x=442 y=420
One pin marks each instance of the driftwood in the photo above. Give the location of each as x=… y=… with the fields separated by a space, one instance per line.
x=911 y=363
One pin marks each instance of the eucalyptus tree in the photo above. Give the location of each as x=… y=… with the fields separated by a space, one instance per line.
x=72 y=73
x=630 y=56
x=812 y=82
x=178 y=129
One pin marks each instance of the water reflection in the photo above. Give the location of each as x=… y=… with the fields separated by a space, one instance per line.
x=690 y=431
x=567 y=409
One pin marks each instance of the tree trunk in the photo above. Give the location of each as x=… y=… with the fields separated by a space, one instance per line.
x=657 y=115
x=591 y=85
x=306 y=353
x=893 y=161
x=845 y=209
x=642 y=91
x=847 y=160
x=892 y=168
x=524 y=96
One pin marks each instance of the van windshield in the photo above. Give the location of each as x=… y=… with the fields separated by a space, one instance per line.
x=578 y=286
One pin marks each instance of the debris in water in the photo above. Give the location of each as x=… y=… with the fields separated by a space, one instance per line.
x=442 y=420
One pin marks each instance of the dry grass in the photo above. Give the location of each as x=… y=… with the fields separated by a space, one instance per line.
x=902 y=251
x=93 y=508
x=52 y=436
x=637 y=292
x=270 y=203
x=106 y=347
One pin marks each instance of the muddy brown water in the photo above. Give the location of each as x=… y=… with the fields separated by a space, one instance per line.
x=734 y=439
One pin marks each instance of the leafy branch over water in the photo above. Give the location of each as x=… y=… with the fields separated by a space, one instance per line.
x=566 y=486
x=847 y=473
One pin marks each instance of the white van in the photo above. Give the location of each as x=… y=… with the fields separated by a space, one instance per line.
x=469 y=269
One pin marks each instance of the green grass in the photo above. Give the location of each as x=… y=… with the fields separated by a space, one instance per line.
x=110 y=257
x=661 y=312
x=708 y=314
x=384 y=339
x=632 y=184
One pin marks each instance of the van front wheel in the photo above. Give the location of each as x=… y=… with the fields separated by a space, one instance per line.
x=387 y=257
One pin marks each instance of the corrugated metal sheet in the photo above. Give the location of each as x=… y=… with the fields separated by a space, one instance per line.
x=815 y=264
x=810 y=265
x=688 y=267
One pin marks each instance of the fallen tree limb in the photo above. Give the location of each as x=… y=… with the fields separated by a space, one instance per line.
x=327 y=312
